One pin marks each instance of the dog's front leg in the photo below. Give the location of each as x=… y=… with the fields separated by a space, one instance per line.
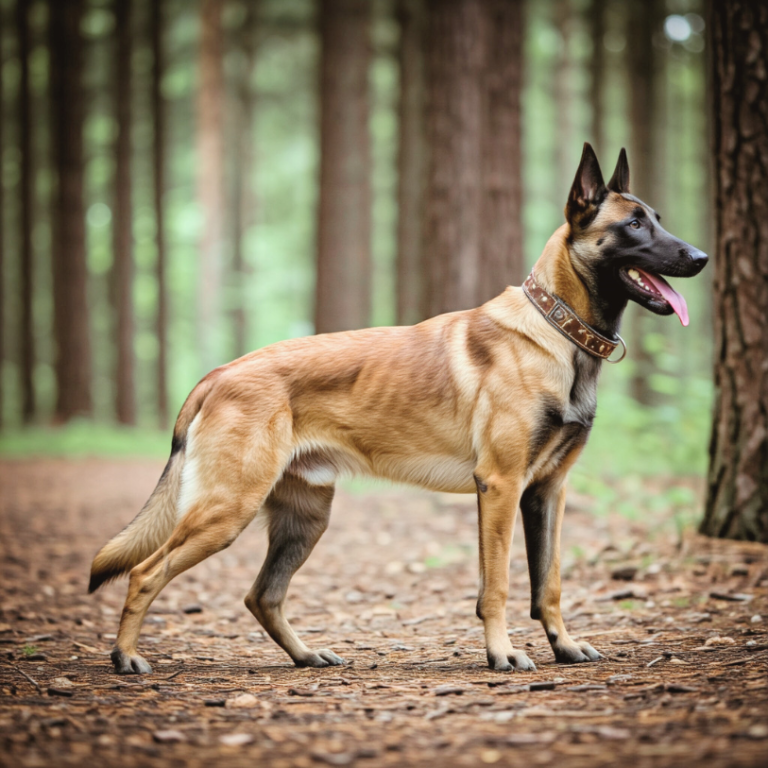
x=498 y=498
x=543 y=505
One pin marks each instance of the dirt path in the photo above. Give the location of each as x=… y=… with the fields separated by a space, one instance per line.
x=391 y=587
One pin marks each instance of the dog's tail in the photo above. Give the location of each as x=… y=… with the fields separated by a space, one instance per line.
x=151 y=528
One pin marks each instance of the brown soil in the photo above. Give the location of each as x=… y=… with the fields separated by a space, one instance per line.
x=391 y=587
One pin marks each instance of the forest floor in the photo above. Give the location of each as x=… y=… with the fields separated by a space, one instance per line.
x=682 y=621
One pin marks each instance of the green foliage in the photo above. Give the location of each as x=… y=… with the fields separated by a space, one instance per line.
x=84 y=439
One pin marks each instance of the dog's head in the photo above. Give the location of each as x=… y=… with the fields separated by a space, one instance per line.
x=618 y=246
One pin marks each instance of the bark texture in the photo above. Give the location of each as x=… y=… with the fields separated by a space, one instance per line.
x=26 y=272
x=243 y=203
x=563 y=92
x=737 y=501
x=122 y=268
x=411 y=288
x=210 y=182
x=70 y=276
x=2 y=259
x=472 y=222
x=643 y=19
x=455 y=58
x=597 y=28
x=158 y=179
x=501 y=260
x=343 y=290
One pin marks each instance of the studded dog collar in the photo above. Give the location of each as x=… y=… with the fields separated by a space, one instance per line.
x=558 y=314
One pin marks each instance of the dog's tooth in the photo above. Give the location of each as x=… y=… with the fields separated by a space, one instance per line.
x=634 y=274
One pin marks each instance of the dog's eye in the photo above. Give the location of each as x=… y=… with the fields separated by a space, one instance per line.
x=635 y=224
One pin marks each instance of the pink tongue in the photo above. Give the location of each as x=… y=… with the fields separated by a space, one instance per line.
x=676 y=301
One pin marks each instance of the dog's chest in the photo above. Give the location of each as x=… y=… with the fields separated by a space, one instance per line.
x=582 y=397
x=566 y=421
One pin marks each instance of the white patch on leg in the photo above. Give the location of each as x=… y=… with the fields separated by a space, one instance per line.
x=190 y=474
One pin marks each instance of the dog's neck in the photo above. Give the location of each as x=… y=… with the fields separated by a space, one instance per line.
x=556 y=274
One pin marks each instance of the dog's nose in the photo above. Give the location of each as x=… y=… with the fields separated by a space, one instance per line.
x=697 y=258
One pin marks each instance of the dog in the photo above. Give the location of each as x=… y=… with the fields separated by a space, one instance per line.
x=497 y=401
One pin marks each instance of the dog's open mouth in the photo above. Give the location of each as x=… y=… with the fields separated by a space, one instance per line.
x=657 y=288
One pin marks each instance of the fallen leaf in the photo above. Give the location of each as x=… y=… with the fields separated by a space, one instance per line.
x=243 y=701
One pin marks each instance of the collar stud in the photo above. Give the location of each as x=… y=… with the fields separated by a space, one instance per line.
x=559 y=315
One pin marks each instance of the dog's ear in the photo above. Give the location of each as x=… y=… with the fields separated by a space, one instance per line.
x=620 y=180
x=587 y=192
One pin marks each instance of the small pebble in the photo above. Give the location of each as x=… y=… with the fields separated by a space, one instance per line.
x=756 y=619
x=624 y=573
x=168 y=737
x=236 y=739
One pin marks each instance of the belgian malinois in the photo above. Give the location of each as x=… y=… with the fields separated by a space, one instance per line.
x=497 y=401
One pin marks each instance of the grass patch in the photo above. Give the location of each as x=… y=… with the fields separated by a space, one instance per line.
x=83 y=438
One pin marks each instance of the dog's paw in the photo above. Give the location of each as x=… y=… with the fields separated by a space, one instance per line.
x=321 y=658
x=129 y=665
x=578 y=653
x=510 y=660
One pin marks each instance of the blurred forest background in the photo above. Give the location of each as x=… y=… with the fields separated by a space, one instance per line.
x=183 y=182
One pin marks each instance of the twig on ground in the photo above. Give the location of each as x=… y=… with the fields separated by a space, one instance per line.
x=31 y=679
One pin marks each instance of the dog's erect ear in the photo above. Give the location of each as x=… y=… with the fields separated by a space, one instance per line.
x=620 y=180
x=587 y=192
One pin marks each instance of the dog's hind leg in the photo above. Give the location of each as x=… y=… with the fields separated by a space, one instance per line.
x=228 y=486
x=543 y=506
x=298 y=514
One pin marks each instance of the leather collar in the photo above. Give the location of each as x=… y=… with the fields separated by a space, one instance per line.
x=558 y=314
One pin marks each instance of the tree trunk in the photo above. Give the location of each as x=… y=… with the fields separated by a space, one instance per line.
x=455 y=52
x=643 y=79
x=737 y=501
x=70 y=276
x=597 y=73
x=242 y=190
x=411 y=159
x=472 y=217
x=158 y=179
x=210 y=158
x=2 y=257
x=26 y=325
x=563 y=94
x=501 y=246
x=343 y=291
x=122 y=268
